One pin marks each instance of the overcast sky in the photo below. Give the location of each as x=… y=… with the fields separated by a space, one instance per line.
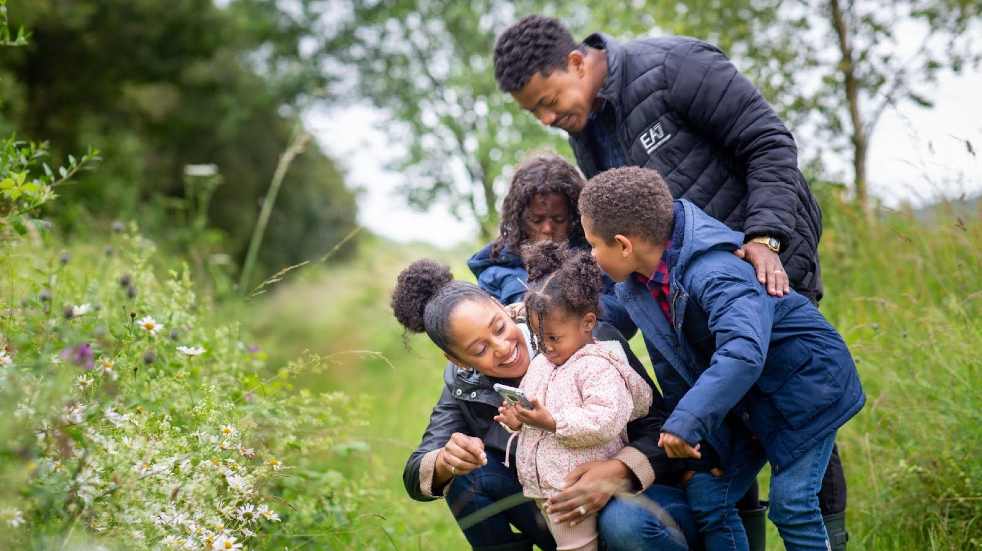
x=916 y=155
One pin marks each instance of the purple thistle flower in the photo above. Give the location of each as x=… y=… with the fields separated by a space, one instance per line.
x=80 y=355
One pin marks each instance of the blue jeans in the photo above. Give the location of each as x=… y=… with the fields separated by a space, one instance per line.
x=659 y=518
x=485 y=487
x=793 y=500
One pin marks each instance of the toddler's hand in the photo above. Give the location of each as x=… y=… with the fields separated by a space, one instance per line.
x=538 y=416
x=676 y=448
x=508 y=416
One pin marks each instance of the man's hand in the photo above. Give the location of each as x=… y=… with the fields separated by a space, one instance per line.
x=588 y=488
x=508 y=416
x=676 y=448
x=538 y=416
x=767 y=264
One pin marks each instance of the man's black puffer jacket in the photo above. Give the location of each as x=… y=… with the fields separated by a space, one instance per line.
x=679 y=106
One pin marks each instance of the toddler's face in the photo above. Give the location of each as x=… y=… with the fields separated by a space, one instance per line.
x=562 y=334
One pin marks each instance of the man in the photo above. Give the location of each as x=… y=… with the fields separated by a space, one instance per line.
x=679 y=106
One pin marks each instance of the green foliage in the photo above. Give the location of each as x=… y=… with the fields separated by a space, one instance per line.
x=157 y=86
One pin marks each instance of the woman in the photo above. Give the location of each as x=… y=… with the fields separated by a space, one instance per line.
x=540 y=205
x=461 y=454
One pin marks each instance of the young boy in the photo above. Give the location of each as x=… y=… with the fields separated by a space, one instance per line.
x=754 y=377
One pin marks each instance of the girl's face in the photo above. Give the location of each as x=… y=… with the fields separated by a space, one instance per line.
x=483 y=337
x=547 y=218
x=563 y=334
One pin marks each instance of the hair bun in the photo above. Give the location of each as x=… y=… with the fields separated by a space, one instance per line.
x=415 y=287
x=543 y=258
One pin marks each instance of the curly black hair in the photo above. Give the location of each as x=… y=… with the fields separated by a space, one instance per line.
x=535 y=44
x=628 y=201
x=560 y=277
x=539 y=175
x=425 y=296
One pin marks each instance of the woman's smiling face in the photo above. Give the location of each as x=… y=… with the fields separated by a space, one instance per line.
x=483 y=337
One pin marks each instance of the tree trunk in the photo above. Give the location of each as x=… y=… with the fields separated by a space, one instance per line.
x=860 y=142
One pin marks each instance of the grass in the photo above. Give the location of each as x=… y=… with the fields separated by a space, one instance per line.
x=907 y=297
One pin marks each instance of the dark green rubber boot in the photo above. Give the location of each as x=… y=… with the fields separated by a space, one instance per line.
x=755 y=524
x=835 y=525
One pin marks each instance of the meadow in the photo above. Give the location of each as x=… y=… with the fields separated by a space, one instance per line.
x=905 y=293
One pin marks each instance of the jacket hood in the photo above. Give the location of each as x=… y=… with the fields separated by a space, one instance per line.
x=481 y=260
x=614 y=353
x=698 y=234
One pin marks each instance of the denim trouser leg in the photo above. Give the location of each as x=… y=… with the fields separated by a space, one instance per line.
x=794 y=504
x=483 y=488
x=659 y=518
x=713 y=501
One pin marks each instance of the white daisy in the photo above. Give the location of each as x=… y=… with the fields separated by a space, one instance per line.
x=5 y=358
x=149 y=325
x=274 y=463
x=81 y=309
x=226 y=542
x=84 y=382
x=13 y=517
x=106 y=366
x=246 y=513
x=228 y=431
x=267 y=513
x=191 y=350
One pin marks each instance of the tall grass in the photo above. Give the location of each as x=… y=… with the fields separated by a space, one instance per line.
x=907 y=297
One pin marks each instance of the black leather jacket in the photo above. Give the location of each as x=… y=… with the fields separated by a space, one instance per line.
x=468 y=404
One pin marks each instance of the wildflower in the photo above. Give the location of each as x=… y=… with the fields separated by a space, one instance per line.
x=228 y=431
x=125 y=280
x=267 y=513
x=174 y=334
x=253 y=348
x=74 y=414
x=149 y=357
x=44 y=295
x=143 y=468
x=106 y=367
x=201 y=170
x=81 y=310
x=131 y=292
x=84 y=382
x=117 y=419
x=226 y=542
x=191 y=350
x=64 y=258
x=237 y=482
x=274 y=463
x=118 y=226
x=247 y=452
x=108 y=250
x=149 y=325
x=14 y=517
x=246 y=513
x=5 y=358
x=80 y=355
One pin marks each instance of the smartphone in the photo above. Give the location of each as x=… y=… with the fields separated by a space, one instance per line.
x=512 y=395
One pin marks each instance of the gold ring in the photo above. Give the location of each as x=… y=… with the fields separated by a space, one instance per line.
x=453 y=470
x=581 y=510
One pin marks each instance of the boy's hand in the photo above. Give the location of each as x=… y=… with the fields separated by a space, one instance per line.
x=676 y=448
x=516 y=311
x=508 y=416
x=767 y=264
x=538 y=416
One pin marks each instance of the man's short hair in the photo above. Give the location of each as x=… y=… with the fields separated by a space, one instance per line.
x=628 y=201
x=535 y=44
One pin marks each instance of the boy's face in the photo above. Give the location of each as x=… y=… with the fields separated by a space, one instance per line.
x=615 y=258
x=563 y=99
x=563 y=333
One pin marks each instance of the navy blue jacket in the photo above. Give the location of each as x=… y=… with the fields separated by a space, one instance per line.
x=679 y=106
x=734 y=353
x=504 y=277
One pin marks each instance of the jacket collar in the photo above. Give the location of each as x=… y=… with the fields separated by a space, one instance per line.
x=611 y=88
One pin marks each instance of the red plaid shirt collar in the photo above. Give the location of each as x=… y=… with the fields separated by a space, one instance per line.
x=658 y=284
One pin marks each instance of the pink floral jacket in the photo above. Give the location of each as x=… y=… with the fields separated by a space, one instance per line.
x=592 y=397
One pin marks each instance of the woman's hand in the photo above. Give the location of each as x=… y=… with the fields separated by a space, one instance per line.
x=676 y=448
x=588 y=488
x=538 y=416
x=508 y=416
x=461 y=455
